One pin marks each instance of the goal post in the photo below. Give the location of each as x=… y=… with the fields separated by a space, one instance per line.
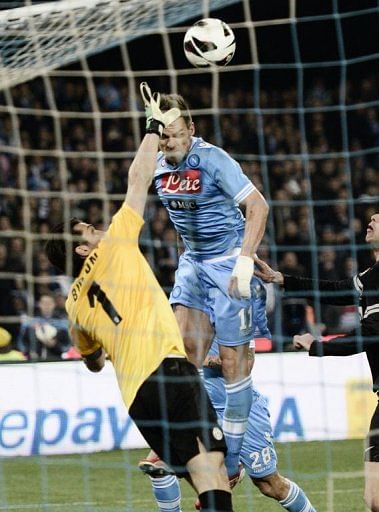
x=37 y=39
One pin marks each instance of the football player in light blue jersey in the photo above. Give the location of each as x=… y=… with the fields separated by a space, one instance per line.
x=258 y=454
x=202 y=187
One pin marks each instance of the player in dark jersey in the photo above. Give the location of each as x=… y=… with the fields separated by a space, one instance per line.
x=363 y=287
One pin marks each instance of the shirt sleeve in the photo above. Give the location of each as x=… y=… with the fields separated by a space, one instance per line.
x=229 y=176
x=83 y=342
x=339 y=293
x=126 y=224
x=345 y=346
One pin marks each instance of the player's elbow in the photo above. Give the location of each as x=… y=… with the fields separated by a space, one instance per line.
x=94 y=366
x=263 y=205
x=95 y=362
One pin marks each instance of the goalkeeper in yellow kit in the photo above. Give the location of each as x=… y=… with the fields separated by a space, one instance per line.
x=117 y=307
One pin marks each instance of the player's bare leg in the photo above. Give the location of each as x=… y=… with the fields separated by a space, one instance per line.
x=273 y=486
x=197 y=333
x=372 y=485
x=209 y=477
x=290 y=496
x=235 y=362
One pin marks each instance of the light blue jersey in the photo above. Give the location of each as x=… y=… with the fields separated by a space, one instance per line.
x=201 y=195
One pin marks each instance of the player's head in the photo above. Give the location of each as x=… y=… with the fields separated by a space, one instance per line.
x=372 y=233
x=56 y=248
x=176 y=138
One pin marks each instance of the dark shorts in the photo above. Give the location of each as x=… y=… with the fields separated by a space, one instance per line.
x=372 y=449
x=172 y=411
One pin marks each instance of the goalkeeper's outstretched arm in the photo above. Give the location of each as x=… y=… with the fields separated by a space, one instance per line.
x=141 y=171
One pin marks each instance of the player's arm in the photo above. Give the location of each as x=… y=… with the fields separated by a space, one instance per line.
x=256 y=212
x=92 y=352
x=338 y=293
x=354 y=342
x=141 y=171
x=256 y=216
x=95 y=361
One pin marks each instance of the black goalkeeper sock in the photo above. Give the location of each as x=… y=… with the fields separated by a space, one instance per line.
x=216 y=501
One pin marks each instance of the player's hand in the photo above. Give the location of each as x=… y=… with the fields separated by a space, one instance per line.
x=266 y=273
x=156 y=120
x=303 y=341
x=213 y=362
x=239 y=286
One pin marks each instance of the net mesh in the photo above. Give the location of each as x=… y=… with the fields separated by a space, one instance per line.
x=297 y=107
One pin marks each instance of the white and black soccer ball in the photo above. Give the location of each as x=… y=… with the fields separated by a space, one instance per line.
x=209 y=42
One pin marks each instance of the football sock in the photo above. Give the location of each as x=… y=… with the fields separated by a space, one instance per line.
x=297 y=500
x=167 y=493
x=239 y=398
x=216 y=501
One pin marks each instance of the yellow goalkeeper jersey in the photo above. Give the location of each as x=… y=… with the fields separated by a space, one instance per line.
x=117 y=303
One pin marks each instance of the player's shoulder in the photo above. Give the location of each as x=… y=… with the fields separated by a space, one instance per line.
x=201 y=145
x=370 y=277
x=209 y=156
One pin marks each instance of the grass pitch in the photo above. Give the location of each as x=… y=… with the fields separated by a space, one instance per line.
x=110 y=482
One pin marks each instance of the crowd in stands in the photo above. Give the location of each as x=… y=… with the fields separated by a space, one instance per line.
x=319 y=173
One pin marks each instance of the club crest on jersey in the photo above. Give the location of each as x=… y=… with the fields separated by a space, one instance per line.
x=182 y=182
x=193 y=160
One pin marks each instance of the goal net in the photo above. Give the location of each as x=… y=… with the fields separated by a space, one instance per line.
x=297 y=107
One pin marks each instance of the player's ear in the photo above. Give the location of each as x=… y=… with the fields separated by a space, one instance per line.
x=82 y=251
x=192 y=128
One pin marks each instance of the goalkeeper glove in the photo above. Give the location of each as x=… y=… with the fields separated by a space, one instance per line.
x=156 y=120
x=243 y=271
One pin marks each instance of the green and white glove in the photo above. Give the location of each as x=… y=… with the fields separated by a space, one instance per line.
x=156 y=120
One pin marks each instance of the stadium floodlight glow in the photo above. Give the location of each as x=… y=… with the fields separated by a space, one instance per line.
x=37 y=39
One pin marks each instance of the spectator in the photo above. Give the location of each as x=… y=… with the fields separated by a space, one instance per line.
x=45 y=336
x=288 y=180
x=290 y=264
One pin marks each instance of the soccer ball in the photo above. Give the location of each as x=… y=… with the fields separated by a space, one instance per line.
x=209 y=42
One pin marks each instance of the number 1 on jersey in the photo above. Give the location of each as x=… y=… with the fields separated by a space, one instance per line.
x=109 y=309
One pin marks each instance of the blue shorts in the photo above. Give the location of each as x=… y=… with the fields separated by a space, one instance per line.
x=204 y=286
x=258 y=452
